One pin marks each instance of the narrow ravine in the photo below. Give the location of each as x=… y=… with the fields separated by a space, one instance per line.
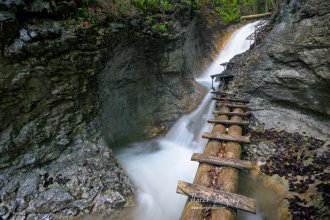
x=155 y=166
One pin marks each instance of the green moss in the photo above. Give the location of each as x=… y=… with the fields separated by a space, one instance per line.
x=162 y=27
x=108 y=192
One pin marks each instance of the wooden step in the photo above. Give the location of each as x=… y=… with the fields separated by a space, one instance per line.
x=226 y=137
x=231 y=105
x=232 y=113
x=228 y=122
x=207 y=195
x=229 y=162
x=222 y=93
x=230 y=99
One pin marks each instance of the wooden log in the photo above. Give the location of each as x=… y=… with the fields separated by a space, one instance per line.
x=226 y=137
x=228 y=122
x=255 y=16
x=228 y=178
x=207 y=195
x=229 y=162
x=232 y=113
x=230 y=99
x=231 y=105
x=193 y=209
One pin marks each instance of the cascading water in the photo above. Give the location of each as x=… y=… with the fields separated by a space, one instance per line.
x=156 y=166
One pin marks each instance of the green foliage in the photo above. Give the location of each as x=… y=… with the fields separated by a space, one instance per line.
x=185 y=2
x=153 y=5
x=162 y=27
x=165 y=5
x=254 y=6
x=309 y=160
x=228 y=10
x=88 y=16
x=149 y=19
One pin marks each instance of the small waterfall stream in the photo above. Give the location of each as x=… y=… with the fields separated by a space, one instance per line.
x=156 y=165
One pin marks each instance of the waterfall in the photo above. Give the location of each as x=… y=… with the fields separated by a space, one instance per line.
x=155 y=166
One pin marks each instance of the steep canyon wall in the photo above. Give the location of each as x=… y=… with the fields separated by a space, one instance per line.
x=66 y=86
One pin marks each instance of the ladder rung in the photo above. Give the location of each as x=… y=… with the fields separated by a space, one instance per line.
x=230 y=99
x=216 y=196
x=231 y=113
x=228 y=122
x=226 y=137
x=230 y=162
x=231 y=105
x=222 y=93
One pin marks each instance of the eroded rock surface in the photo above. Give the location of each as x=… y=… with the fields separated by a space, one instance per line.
x=287 y=76
x=66 y=85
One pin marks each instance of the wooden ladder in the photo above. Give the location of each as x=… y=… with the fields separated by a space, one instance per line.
x=221 y=157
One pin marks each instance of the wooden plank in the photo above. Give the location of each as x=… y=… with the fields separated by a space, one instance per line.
x=205 y=194
x=228 y=122
x=255 y=16
x=229 y=162
x=230 y=99
x=222 y=93
x=226 y=137
x=215 y=75
x=232 y=113
x=232 y=105
x=221 y=75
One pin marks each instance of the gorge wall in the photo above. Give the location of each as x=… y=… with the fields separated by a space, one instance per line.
x=66 y=85
x=287 y=76
x=149 y=82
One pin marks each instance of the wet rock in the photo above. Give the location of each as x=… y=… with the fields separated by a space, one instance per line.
x=69 y=185
x=48 y=8
x=11 y=4
x=50 y=201
x=108 y=200
x=287 y=76
x=9 y=26
x=55 y=78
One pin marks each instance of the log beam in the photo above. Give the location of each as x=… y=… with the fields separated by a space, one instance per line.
x=232 y=105
x=225 y=137
x=255 y=16
x=222 y=93
x=193 y=209
x=228 y=122
x=232 y=113
x=230 y=99
x=229 y=162
x=205 y=194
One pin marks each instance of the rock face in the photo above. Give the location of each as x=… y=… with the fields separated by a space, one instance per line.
x=54 y=163
x=148 y=84
x=287 y=76
x=64 y=88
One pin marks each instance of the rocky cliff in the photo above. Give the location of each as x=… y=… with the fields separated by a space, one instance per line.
x=68 y=84
x=287 y=76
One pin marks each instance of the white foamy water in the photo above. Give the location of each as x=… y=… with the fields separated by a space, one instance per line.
x=155 y=166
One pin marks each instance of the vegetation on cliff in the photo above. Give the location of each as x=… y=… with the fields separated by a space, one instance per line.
x=157 y=14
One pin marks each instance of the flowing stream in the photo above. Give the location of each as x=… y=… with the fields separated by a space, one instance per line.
x=156 y=165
